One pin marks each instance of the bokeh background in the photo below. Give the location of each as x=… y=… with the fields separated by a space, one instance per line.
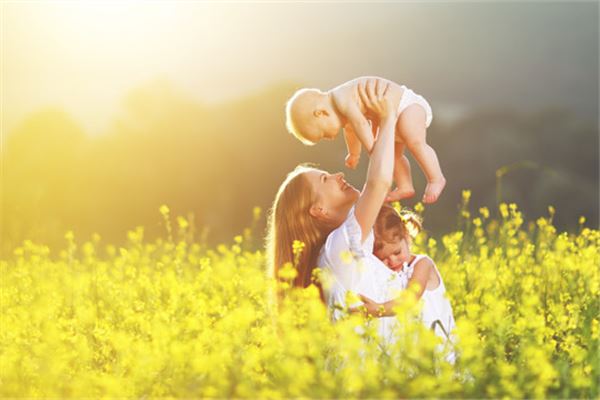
x=111 y=109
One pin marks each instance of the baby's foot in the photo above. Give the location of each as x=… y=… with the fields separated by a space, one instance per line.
x=433 y=190
x=400 y=193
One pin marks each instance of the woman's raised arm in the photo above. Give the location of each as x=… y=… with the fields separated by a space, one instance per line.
x=381 y=162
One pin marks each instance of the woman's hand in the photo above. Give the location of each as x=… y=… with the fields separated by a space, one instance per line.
x=373 y=96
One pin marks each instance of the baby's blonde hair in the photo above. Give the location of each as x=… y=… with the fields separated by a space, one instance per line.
x=298 y=109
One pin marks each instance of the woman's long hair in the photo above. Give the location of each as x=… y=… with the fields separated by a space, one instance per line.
x=289 y=221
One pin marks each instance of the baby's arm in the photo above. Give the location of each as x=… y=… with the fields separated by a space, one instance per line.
x=361 y=127
x=353 y=145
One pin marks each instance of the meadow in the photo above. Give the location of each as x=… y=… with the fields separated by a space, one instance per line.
x=177 y=318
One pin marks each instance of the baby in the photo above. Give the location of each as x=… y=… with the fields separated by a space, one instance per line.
x=313 y=115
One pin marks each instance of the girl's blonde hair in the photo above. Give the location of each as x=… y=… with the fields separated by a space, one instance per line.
x=289 y=221
x=391 y=225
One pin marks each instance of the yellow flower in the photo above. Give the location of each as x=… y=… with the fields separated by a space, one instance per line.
x=210 y=316
x=466 y=195
x=256 y=213
x=182 y=222
x=164 y=210
x=419 y=208
x=485 y=213
x=297 y=247
x=287 y=272
x=346 y=257
x=503 y=210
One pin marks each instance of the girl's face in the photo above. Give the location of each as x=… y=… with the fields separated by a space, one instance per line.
x=394 y=254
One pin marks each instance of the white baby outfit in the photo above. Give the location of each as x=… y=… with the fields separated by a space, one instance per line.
x=409 y=97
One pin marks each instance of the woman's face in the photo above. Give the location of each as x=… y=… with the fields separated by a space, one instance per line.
x=394 y=254
x=333 y=195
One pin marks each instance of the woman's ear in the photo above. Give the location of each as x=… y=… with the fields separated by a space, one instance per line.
x=317 y=211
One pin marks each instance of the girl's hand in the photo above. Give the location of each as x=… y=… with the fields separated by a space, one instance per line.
x=369 y=307
x=373 y=96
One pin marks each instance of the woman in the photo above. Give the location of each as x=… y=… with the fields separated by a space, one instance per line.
x=334 y=220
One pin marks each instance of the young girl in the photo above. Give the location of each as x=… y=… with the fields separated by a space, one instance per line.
x=392 y=246
x=313 y=115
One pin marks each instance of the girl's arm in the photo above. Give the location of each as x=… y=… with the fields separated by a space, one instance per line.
x=416 y=285
x=420 y=277
x=381 y=162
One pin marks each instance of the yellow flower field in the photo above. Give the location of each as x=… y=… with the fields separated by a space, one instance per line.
x=174 y=318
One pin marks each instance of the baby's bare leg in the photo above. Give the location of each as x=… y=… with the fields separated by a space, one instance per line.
x=402 y=177
x=411 y=126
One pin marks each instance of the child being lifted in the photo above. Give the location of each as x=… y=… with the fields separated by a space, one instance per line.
x=313 y=115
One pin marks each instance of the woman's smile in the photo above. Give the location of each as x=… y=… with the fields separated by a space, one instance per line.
x=345 y=185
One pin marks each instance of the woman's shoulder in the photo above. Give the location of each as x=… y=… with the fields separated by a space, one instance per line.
x=346 y=238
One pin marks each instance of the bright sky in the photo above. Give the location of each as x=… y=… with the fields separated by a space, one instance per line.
x=84 y=56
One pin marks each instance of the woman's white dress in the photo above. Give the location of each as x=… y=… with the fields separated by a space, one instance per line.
x=349 y=265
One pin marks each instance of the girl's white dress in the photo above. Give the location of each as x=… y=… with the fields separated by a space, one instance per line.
x=437 y=311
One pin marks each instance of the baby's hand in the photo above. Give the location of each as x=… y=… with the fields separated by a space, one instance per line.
x=352 y=160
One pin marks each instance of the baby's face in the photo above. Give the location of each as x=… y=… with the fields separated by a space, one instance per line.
x=330 y=126
x=394 y=254
x=323 y=125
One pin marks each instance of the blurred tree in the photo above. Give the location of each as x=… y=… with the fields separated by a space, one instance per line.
x=40 y=162
x=220 y=161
